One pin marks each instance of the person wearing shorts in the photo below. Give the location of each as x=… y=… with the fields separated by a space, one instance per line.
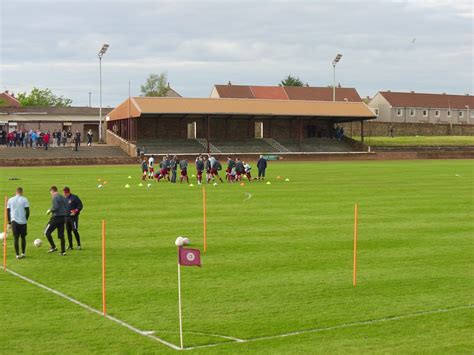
x=151 y=167
x=144 y=167
x=199 y=169
x=183 y=166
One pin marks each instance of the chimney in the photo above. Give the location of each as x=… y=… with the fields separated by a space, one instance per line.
x=412 y=92
x=389 y=90
x=367 y=97
x=444 y=93
x=467 y=94
x=229 y=83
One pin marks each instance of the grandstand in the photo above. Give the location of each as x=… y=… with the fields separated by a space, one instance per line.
x=155 y=125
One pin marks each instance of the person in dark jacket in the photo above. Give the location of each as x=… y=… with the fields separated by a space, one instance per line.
x=72 y=220
x=230 y=166
x=59 y=211
x=174 y=166
x=261 y=166
x=239 y=169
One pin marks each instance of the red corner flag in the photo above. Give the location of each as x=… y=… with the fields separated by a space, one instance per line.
x=189 y=257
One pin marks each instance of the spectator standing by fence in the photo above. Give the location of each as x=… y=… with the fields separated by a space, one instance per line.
x=89 y=137
x=46 y=139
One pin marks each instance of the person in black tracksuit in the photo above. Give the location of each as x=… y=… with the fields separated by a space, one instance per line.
x=72 y=221
x=59 y=211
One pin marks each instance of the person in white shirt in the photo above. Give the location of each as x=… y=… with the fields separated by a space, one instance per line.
x=18 y=212
x=151 y=167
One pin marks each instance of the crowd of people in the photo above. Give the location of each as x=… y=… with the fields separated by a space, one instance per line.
x=43 y=139
x=206 y=165
x=65 y=210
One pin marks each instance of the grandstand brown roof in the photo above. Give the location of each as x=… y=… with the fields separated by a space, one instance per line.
x=243 y=107
x=287 y=93
x=425 y=100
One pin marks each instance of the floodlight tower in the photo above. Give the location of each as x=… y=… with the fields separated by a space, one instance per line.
x=334 y=62
x=100 y=55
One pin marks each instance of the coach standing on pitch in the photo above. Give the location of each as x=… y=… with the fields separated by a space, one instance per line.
x=18 y=212
x=261 y=166
x=72 y=221
x=59 y=211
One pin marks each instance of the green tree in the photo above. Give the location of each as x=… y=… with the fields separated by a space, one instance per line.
x=43 y=97
x=155 y=85
x=3 y=102
x=291 y=81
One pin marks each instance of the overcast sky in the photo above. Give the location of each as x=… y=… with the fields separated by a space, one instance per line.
x=399 y=45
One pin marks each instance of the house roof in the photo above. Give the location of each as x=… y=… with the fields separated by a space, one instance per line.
x=48 y=118
x=138 y=106
x=9 y=100
x=71 y=110
x=425 y=100
x=287 y=93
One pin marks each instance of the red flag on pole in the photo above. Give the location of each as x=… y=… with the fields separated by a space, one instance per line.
x=189 y=257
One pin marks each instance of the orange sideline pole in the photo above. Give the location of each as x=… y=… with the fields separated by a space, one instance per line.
x=5 y=219
x=104 y=310
x=204 y=216
x=354 y=278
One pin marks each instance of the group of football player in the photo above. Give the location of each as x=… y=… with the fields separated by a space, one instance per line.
x=207 y=164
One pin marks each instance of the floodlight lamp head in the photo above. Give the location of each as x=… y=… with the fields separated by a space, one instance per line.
x=337 y=59
x=103 y=50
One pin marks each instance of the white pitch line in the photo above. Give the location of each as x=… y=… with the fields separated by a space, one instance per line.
x=93 y=310
x=149 y=334
x=341 y=326
x=202 y=333
x=249 y=196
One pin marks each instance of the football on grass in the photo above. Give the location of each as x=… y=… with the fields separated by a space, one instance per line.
x=37 y=243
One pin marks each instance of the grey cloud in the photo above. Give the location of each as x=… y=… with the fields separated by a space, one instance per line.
x=54 y=44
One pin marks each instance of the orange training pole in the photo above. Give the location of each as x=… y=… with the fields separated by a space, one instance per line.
x=5 y=219
x=204 y=216
x=354 y=279
x=104 y=311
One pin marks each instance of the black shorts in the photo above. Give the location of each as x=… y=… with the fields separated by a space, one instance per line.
x=19 y=230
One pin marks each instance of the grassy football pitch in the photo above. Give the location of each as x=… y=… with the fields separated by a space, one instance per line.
x=279 y=262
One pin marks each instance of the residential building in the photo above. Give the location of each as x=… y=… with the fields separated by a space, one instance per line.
x=413 y=107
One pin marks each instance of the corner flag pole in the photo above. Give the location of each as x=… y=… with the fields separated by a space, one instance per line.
x=354 y=277
x=204 y=216
x=104 y=310
x=179 y=304
x=5 y=235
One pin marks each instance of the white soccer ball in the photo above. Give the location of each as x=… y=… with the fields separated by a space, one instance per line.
x=99 y=186
x=37 y=243
x=2 y=236
x=186 y=241
x=179 y=241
